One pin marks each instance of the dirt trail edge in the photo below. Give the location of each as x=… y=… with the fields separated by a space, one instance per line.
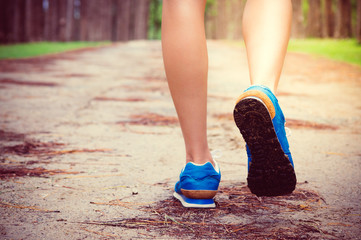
x=90 y=147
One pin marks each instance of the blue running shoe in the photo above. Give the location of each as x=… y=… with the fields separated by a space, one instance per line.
x=198 y=185
x=262 y=124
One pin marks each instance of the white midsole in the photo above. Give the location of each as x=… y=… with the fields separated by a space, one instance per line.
x=192 y=205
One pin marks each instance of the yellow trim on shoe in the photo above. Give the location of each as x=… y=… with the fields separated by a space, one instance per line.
x=265 y=99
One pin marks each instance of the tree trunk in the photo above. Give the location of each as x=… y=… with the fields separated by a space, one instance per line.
x=221 y=20
x=210 y=20
x=69 y=20
x=51 y=20
x=139 y=19
x=314 y=20
x=94 y=31
x=329 y=20
x=343 y=19
x=122 y=20
x=19 y=21
x=298 y=30
x=38 y=20
x=75 y=35
x=28 y=23
x=358 y=24
x=33 y=20
x=114 y=19
x=96 y=20
x=54 y=19
x=225 y=19
x=106 y=20
x=235 y=21
x=83 y=20
x=46 y=20
x=61 y=20
x=66 y=20
x=7 y=10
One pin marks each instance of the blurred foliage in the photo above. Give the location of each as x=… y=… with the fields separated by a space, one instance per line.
x=155 y=19
x=155 y=15
x=209 y=10
x=354 y=12
x=305 y=7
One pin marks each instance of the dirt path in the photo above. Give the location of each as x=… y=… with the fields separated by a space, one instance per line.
x=90 y=148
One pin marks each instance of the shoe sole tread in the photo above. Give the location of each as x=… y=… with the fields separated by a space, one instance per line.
x=270 y=171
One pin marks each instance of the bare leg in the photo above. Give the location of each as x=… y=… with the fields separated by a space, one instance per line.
x=186 y=65
x=266 y=30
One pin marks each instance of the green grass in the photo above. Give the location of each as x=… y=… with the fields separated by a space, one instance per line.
x=25 y=50
x=342 y=50
x=347 y=50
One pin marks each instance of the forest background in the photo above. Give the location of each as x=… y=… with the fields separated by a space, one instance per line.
x=123 y=20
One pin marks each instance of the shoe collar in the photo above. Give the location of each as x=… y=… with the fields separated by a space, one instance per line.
x=216 y=166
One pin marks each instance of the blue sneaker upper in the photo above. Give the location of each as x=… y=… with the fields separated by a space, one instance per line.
x=198 y=177
x=278 y=122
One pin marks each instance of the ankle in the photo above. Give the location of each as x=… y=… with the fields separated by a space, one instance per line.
x=200 y=158
x=269 y=84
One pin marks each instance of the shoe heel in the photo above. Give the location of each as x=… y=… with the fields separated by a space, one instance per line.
x=194 y=203
x=199 y=194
